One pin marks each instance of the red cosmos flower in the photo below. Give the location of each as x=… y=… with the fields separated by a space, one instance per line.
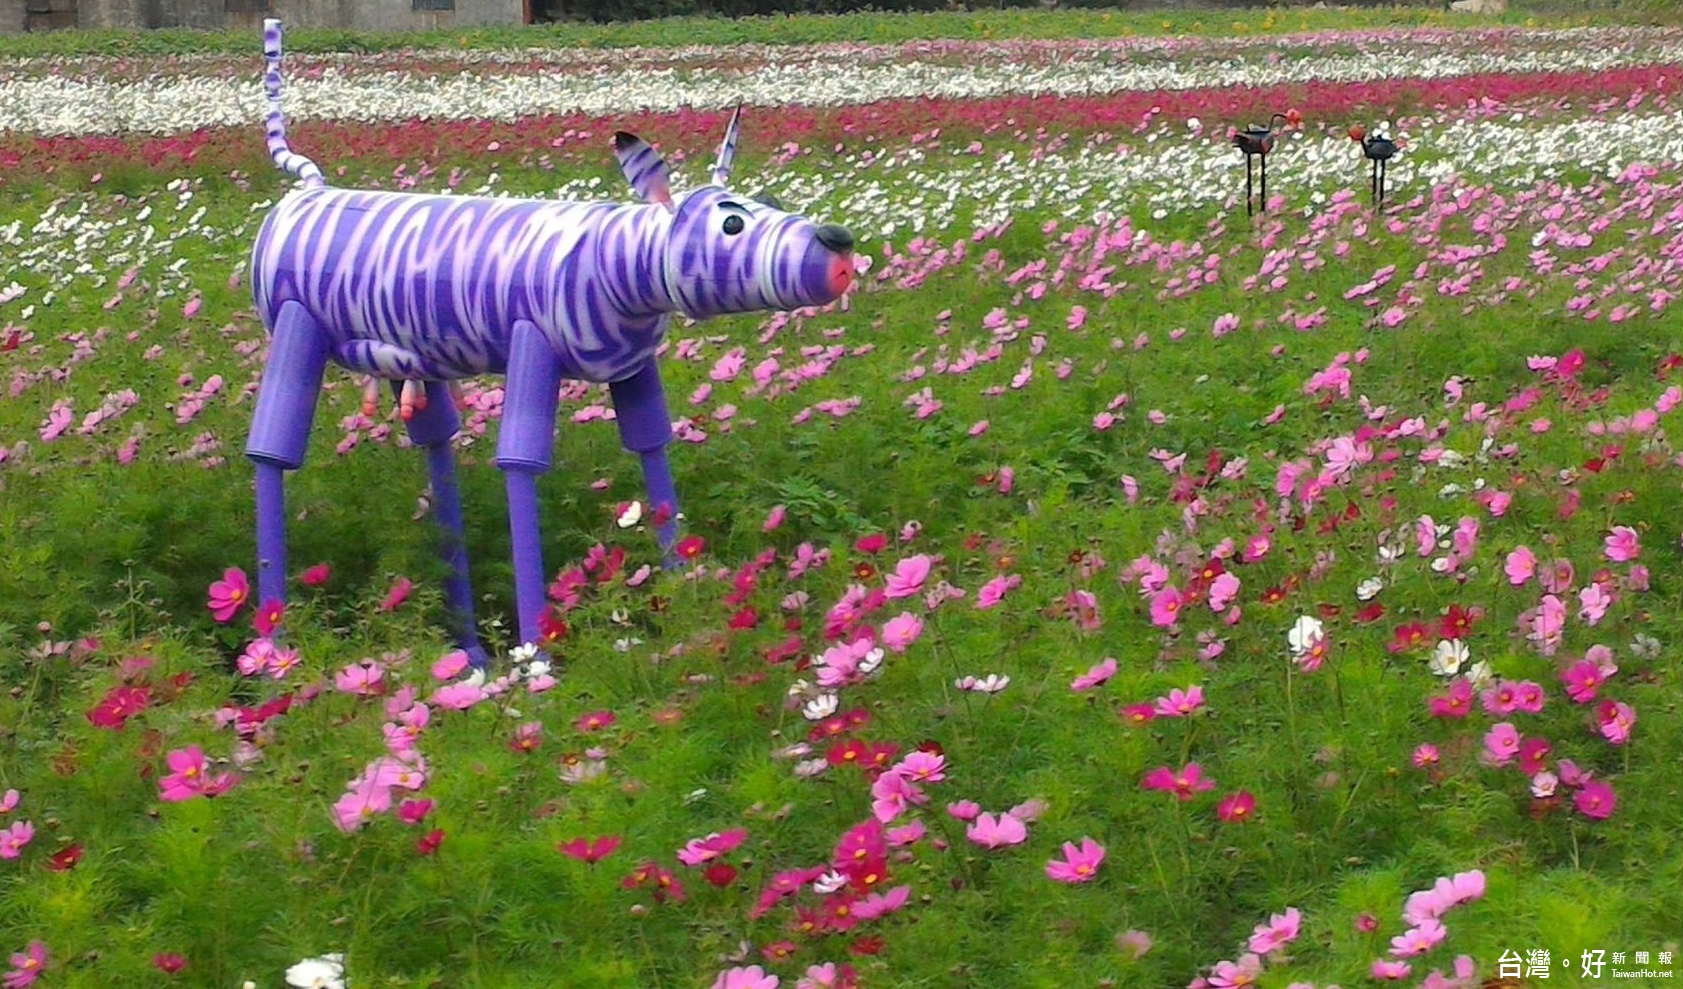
x=1457 y=623
x=429 y=842
x=1370 y=613
x=661 y=515
x=551 y=628
x=744 y=620
x=65 y=859
x=315 y=576
x=589 y=850
x=850 y=752
x=872 y=544
x=268 y=618
x=864 y=946
x=118 y=706
x=1414 y=635
x=168 y=963
x=720 y=874
x=690 y=547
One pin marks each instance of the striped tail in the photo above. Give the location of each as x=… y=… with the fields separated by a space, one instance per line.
x=284 y=157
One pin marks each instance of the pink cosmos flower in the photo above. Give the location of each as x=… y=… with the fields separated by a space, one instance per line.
x=1426 y=754
x=1282 y=929
x=315 y=576
x=1180 y=703
x=995 y=590
x=922 y=767
x=450 y=665
x=27 y=966
x=964 y=810
x=363 y=679
x=1418 y=940
x=229 y=594
x=1389 y=970
x=996 y=832
x=752 y=977
x=1165 y=607
x=14 y=838
x=1617 y=718
x=9 y=801
x=1135 y=943
x=398 y=594
x=908 y=577
x=1622 y=544
x=1465 y=972
x=1095 y=677
x=458 y=696
x=1222 y=591
x=1501 y=743
x=361 y=804
x=899 y=632
x=882 y=904
x=1236 y=975
x=1079 y=864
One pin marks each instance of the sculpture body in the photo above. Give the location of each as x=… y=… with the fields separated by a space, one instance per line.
x=423 y=289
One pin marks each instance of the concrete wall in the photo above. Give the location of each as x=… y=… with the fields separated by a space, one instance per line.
x=211 y=15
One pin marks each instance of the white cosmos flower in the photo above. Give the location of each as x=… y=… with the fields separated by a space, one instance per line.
x=1305 y=632
x=828 y=883
x=820 y=707
x=1369 y=589
x=1447 y=657
x=326 y=972
x=1543 y=785
x=872 y=660
x=993 y=683
x=524 y=653
x=1480 y=674
x=631 y=516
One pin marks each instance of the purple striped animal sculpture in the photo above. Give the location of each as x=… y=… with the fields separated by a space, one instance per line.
x=422 y=290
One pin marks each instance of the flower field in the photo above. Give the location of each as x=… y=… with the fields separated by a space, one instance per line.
x=1114 y=590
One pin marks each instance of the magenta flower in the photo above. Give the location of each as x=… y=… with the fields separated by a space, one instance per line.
x=1617 y=719
x=1079 y=864
x=190 y=777
x=1236 y=808
x=752 y=977
x=27 y=966
x=398 y=594
x=1581 y=680
x=1282 y=929
x=996 y=832
x=229 y=594
x=1595 y=800
x=1183 y=784
x=14 y=838
x=700 y=850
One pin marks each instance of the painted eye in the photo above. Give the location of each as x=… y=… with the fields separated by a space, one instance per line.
x=733 y=225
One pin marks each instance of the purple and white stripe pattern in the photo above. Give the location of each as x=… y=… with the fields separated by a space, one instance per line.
x=284 y=156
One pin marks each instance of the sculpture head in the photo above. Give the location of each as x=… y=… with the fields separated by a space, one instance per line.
x=728 y=253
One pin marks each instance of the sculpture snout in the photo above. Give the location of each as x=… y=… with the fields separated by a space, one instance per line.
x=836 y=238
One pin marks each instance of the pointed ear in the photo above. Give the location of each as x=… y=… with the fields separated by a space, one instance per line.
x=644 y=168
x=727 y=150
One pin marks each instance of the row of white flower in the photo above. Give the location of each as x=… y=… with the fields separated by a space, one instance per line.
x=1398 y=46
x=64 y=106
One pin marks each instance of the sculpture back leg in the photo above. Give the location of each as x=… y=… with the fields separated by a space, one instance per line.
x=645 y=427
x=432 y=427
x=524 y=444
x=280 y=433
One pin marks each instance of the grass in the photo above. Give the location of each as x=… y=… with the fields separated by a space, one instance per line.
x=873 y=27
x=250 y=882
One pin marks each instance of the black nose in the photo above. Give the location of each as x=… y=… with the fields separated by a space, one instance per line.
x=837 y=239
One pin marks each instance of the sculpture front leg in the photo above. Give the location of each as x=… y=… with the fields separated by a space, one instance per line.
x=524 y=442
x=280 y=433
x=645 y=427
